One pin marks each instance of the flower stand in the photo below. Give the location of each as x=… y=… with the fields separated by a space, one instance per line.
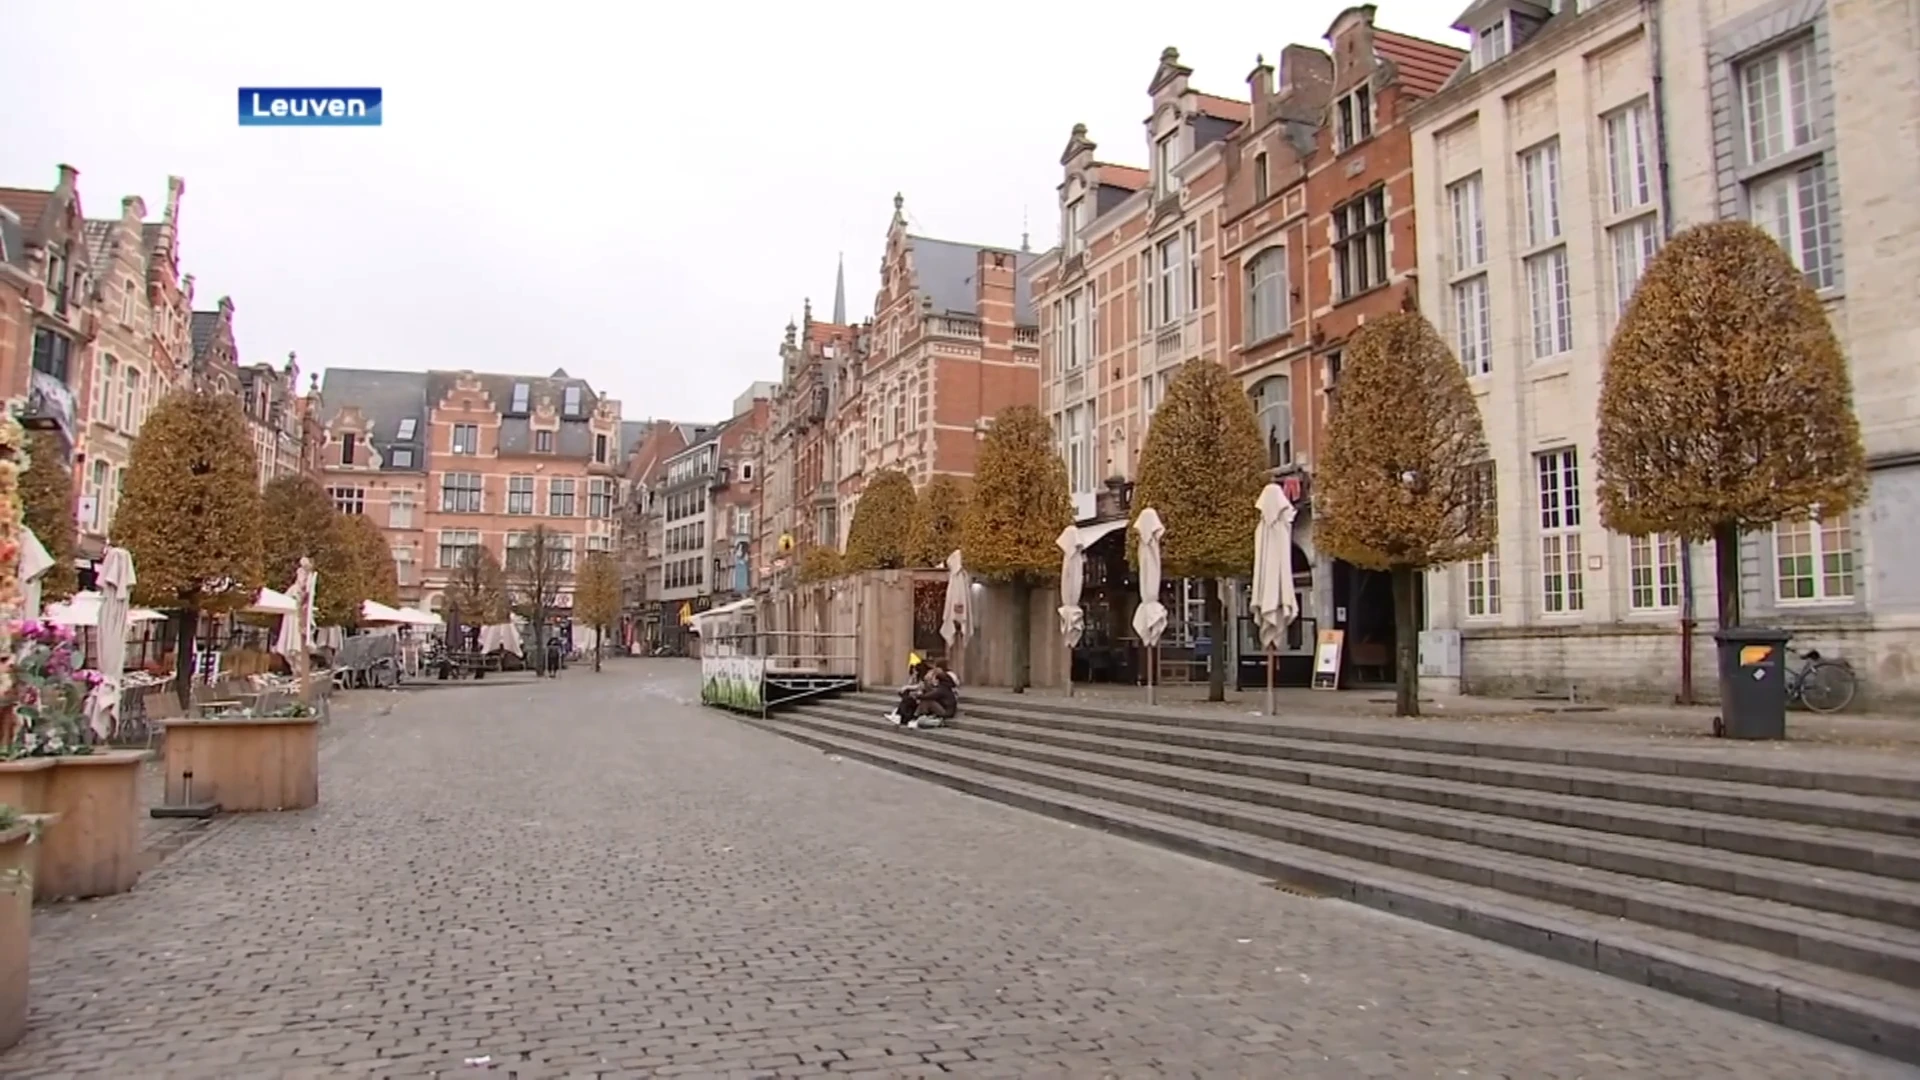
x=18 y=846
x=96 y=849
x=243 y=762
x=23 y=783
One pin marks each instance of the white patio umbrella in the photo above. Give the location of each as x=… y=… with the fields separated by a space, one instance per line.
x=294 y=634
x=1150 y=618
x=373 y=611
x=116 y=578
x=34 y=562
x=1272 y=602
x=956 y=617
x=1072 y=577
x=272 y=602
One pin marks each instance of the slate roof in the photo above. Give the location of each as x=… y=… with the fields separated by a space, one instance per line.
x=945 y=270
x=516 y=431
x=631 y=432
x=204 y=326
x=385 y=398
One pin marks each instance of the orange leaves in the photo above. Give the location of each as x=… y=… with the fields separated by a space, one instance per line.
x=1202 y=468
x=1020 y=501
x=879 y=534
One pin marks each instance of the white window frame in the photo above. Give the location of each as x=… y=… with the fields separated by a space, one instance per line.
x=1831 y=554
x=1482 y=585
x=1466 y=198
x=1540 y=193
x=1166 y=159
x=1491 y=43
x=1473 y=324
x=1627 y=137
x=1795 y=207
x=1279 y=407
x=1171 y=264
x=1075 y=438
x=1550 y=303
x=1267 y=298
x=1075 y=331
x=1777 y=90
x=520 y=493
x=1149 y=300
x=400 y=509
x=1360 y=244
x=1562 y=561
x=348 y=500
x=1653 y=572
x=1633 y=244
x=1353 y=118
x=465 y=439
x=1190 y=246
x=463 y=498
x=1073 y=223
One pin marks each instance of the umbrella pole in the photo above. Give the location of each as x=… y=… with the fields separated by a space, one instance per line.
x=1270 y=708
x=1153 y=670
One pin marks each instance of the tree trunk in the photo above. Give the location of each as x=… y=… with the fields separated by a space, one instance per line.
x=1726 y=573
x=539 y=648
x=1406 y=641
x=1022 y=636
x=599 y=635
x=1217 y=630
x=183 y=656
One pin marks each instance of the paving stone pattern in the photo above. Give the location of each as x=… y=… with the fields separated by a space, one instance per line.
x=598 y=878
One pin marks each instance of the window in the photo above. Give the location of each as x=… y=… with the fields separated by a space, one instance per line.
x=1078 y=439
x=407 y=428
x=126 y=303
x=1353 y=119
x=1260 y=178
x=560 y=497
x=1166 y=155
x=1267 y=295
x=1814 y=560
x=106 y=398
x=543 y=442
x=1540 y=185
x=599 y=497
x=460 y=493
x=1653 y=572
x=1473 y=325
x=1149 y=295
x=466 y=439
x=1629 y=139
x=1192 y=246
x=1792 y=208
x=1550 y=301
x=400 y=458
x=455 y=544
x=521 y=395
x=746 y=470
x=97 y=480
x=1634 y=245
x=600 y=449
x=52 y=354
x=130 y=418
x=1469 y=223
x=570 y=401
x=519 y=494
x=1776 y=101
x=1483 y=585
x=402 y=566
x=1489 y=44
x=1172 y=304
x=599 y=544
x=1562 y=578
x=346 y=448
x=1075 y=221
x=400 y=509
x=348 y=500
x=1360 y=243
x=1273 y=404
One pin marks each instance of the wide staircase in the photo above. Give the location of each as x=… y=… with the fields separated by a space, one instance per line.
x=1784 y=891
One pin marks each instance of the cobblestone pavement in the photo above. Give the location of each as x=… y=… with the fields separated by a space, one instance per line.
x=596 y=878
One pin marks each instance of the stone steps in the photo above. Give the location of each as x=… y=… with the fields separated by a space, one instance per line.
x=1799 y=921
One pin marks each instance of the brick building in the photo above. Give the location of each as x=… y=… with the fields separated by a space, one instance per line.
x=447 y=461
x=643 y=534
x=801 y=500
x=738 y=485
x=56 y=334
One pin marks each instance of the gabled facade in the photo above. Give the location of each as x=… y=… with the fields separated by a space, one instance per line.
x=123 y=382
x=57 y=338
x=373 y=460
x=800 y=502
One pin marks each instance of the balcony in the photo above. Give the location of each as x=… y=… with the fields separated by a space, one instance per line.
x=941 y=326
x=1027 y=335
x=49 y=407
x=1168 y=344
x=824 y=495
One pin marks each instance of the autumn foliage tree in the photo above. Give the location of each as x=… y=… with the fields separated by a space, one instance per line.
x=596 y=597
x=1020 y=503
x=939 y=515
x=1726 y=404
x=190 y=514
x=477 y=593
x=373 y=575
x=879 y=535
x=298 y=520
x=818 y=563
x=1203 y=468
x=1405 y=482
x=47 y=504
x=537 y=572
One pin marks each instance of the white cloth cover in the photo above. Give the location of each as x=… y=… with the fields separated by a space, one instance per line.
x=1072 y=578
x=956 y=618
x=1273 y=604
x=1150 y=618
x=116 y=579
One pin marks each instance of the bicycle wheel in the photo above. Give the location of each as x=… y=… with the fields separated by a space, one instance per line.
x=1827 y=687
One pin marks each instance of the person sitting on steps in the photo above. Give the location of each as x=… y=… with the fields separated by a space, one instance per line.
x=930 y=697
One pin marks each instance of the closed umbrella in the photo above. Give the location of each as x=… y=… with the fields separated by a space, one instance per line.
x=292 y=636
x=1072 y=577
x=1273 y=603
x=34 y=562
x=116 y=578
x=956 y=617
x=1150 y=618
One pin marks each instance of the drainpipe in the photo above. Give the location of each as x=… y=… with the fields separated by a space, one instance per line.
x=1650 y=17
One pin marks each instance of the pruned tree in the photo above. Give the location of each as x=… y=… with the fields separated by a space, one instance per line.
x=596 y=597
x=1020 y=503
x=477 y=592
x=1405 y=483
x=817 y=564
x=190 y=515
x=374 y=575
x=538 y=571
x=1726 y=404
x=879 y=535
x=47 y=502
x=1203 y=467
x=939 y=518
x=297 y=519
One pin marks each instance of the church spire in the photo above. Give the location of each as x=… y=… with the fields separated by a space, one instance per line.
x=840 y=292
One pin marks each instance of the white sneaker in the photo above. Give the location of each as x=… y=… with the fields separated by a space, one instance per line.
x=890 y=717
x=914 y=724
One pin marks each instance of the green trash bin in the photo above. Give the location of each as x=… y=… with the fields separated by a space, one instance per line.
x=1753 y=682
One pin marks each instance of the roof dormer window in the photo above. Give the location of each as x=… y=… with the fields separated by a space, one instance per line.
x=1491 y=42
x=520 y=395
x=407 y=428
x=1076 y=220
x=1353 y=115
x=1166 y=157
x=570 y=401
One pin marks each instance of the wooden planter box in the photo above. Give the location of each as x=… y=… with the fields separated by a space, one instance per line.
x=23 y=783
x=95 y=851
x=244 y=762
x=16 y=918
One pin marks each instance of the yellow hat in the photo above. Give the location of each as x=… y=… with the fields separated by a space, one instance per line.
x=913 y=659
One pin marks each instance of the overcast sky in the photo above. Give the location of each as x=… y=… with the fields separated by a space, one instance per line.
x=642 y=199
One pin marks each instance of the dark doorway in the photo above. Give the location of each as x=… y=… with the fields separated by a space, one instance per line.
x=1107 y=652
x=1363 y=607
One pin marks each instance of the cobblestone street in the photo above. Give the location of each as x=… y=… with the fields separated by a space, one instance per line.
x=596 y=877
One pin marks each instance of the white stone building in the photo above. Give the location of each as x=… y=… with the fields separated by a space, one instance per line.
x=1549 y=171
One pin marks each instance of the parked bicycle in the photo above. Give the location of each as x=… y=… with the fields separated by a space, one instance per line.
x=1822 y=685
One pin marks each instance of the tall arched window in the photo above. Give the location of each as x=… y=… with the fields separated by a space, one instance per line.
x=1273 y=403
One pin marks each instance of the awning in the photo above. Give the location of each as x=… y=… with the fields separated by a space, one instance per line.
x=416 y=617
x=373 y=611
x=274 y=603
x=83 y=609
x=737 y=607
